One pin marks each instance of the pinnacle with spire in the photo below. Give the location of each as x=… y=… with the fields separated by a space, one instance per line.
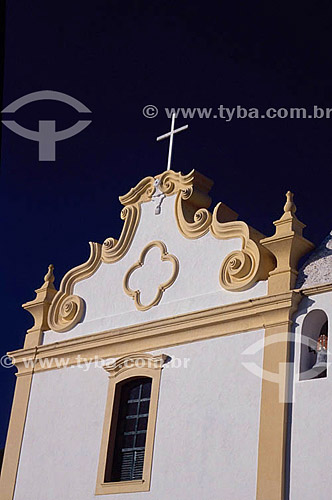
x=288 y=246
x=39 y=307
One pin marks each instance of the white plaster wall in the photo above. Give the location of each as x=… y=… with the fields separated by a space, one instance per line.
x=206 y=437
x=311 y=438
x=197 y=286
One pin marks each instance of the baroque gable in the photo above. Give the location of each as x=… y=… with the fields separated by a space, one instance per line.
x=209 y=258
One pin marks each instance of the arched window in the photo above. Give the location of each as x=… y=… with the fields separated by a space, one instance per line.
x=125 y=457
x=314 y=345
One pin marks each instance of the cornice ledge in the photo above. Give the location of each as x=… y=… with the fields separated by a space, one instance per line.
x=243 y=316
x=316 y=289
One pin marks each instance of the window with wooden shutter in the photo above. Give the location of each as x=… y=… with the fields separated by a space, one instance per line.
x=127 y=457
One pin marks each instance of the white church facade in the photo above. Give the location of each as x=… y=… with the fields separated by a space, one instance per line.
x=186 y=360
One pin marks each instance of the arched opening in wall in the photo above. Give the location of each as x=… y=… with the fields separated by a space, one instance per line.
x=314 y=345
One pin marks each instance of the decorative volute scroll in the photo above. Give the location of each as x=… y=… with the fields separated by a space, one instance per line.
x=39 y=307
x=113 y=250
x=136 y=360
x=288 y=245
x=192 y=203
x=67 y=309
x=191 y=206
x=164 y=256
x=242 y=268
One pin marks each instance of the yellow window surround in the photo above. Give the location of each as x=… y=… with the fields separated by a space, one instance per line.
x=124 y=369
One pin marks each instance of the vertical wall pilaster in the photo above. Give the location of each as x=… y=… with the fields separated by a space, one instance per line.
x=288 y=246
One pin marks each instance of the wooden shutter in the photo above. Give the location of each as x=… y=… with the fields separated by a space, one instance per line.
x=129 y=449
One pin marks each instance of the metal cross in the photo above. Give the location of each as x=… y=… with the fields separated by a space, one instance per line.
x=170 y=135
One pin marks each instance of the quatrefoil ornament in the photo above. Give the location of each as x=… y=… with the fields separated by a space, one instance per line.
x=164 y=257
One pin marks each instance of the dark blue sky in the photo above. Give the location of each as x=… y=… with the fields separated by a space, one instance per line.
x=116 y=57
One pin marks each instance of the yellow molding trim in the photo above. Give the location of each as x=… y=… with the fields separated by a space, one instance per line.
x=241 y=269
x=136 y=359
x=169 y=183
x=122 y=370
x=66 y=309
x=288 y=246
x=191 y=214
x=112 y=249
x=136 y=294
x=271 y=465
x=141 y=193
x=15 y=433
x=230 y=319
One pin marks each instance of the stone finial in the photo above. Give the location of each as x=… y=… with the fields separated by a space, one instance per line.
x=289 y=205
x=288 y=246
x=49 y=278
x=39 y=307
